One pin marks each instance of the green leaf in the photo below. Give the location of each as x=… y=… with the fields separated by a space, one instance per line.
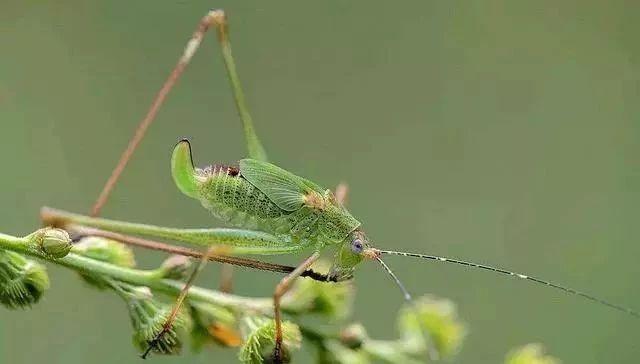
x=259 y=338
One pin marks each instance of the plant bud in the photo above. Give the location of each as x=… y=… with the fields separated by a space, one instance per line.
x=437 y=318
x=353 y=336
x=175 y=267
x=259 y=339
x=22 y=281
x=530 y=354
x=53 y=242
x=104 y=250
x=336 y=353
x=213 y=324
x=148 y=318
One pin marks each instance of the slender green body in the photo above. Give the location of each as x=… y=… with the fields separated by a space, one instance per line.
x=230 y=197
x=263 y=196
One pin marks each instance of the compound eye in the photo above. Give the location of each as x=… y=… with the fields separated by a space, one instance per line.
x=356 y=246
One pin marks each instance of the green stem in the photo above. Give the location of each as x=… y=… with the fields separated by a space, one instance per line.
x=148 y=278
x=10 y=240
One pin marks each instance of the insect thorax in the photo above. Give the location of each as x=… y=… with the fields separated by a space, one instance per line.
x=234 y=200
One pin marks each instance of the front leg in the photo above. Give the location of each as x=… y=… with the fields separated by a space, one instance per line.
x=281 y=289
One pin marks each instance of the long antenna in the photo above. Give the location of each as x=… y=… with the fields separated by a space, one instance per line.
x=516 y=275
x=407 y=295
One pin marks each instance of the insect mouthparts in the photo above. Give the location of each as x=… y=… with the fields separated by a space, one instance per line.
x=372 y=253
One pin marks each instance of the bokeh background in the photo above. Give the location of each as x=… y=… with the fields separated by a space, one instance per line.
x=496 y=131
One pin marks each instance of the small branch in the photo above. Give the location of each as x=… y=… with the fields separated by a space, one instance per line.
x=148 y=278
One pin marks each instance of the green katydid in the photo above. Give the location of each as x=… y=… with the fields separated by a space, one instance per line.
x=273 y=211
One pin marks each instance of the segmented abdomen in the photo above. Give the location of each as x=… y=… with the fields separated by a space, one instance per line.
x=234 y=200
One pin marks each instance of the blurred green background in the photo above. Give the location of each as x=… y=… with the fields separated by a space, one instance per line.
x=495 y=131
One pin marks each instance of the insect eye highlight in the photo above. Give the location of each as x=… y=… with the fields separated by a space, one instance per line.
x=356 y=246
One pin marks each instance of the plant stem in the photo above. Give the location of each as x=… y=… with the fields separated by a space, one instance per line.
x=148 y=278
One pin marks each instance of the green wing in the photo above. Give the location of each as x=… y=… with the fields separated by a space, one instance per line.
x=284 y=188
